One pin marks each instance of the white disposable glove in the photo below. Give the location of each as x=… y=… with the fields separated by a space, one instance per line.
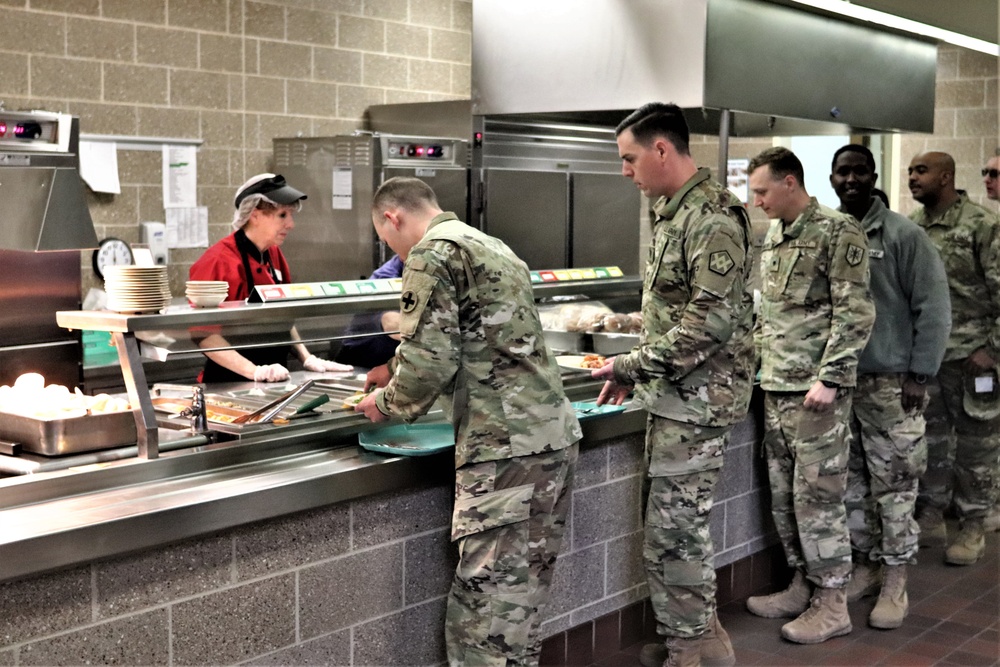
x=270 y=373
x=317 y=365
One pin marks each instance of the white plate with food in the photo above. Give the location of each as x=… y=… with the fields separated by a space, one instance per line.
x=580 y=362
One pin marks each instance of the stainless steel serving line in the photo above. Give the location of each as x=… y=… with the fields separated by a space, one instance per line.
x=98 y=510
x=269 y=317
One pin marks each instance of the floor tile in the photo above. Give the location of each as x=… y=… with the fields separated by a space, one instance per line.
x=954 y=619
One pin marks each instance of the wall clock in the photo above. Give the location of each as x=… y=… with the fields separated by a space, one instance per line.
x=112 y=252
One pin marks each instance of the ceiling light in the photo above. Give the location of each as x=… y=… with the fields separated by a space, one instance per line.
x=845 y=8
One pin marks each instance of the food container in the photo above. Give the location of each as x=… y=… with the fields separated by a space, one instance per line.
x=565 y=341
x=610 y=344
x=55 y=437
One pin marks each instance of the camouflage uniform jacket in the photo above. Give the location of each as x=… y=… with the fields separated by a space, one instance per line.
x=694 y=361
x=968 y=238
x=816 y=312
x=471 y=334
x=910 y=288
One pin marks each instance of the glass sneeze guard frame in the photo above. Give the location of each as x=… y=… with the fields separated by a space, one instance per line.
x=259 y=318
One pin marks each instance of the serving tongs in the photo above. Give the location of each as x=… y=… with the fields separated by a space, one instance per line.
x=268 y=412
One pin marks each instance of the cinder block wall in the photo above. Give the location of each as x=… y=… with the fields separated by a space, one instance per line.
x=965 y=122
x=360 y=583
x=234 y=73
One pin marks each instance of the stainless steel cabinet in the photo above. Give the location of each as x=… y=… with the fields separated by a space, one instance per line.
x=556 y=220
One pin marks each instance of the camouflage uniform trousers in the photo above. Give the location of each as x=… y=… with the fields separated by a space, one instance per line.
x=887 y=456
x=683 y=462
x=807 y=468
x=509 y=520
x=962 y=452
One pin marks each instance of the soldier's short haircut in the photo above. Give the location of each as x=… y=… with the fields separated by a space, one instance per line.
x=782 y=163
x=855 y=148
x=657 y=119
x=411 y=194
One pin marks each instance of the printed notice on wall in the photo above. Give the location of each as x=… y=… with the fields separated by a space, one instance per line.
x=736 y=178
x=99 y=166
x=180 y=177
x=342 y=186
x=187 y=227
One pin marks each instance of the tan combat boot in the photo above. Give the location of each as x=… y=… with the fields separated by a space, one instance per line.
x=933 y=530
x=683 y=652
x=991 y=523
x=893 y=603
x=825 y=618
x=789 y=603
x=969 y=546
x=716 y=649
x=866 y=578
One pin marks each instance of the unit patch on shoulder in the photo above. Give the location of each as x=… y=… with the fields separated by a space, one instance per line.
x=408 y=301
x=720 y=262
x=855 y=254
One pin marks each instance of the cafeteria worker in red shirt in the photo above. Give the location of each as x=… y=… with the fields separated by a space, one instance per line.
x=248 y=257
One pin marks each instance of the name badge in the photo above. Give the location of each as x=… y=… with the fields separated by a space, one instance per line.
x=876 y=254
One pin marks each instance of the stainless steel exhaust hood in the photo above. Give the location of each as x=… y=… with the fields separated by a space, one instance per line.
x=739 y=67
x=41 y=192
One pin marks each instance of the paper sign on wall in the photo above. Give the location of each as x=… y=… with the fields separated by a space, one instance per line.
x=99 y=166
x=180 y=177
x=343 y=184
x=187 y=227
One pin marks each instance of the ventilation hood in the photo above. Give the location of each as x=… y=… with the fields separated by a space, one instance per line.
x=737 y=67
x=41 y=192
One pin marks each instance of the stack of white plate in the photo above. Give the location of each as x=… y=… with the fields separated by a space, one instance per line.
x=206 y=293
x=136 y=289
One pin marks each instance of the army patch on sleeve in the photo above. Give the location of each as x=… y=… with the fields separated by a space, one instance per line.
x=855 y=254
x=408 y=301
x=720 y=262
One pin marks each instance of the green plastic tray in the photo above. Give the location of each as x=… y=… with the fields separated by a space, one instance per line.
x=408 y=439
x=590 y=409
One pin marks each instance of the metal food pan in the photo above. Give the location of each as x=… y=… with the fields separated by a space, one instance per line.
x=608 y=344
x=566 y=341
x=55 y=437
x=215 y=413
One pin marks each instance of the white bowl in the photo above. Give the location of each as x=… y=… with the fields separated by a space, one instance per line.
x=206 y=301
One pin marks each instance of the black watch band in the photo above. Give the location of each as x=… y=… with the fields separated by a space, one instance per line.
x=830 y=385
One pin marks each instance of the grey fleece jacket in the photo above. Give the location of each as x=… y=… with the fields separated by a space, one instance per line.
x=910 y=288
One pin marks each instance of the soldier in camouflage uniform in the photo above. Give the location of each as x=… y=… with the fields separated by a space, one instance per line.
x=692 y=371
x=963 y=416
x=815 y=317
x=991 y=179
x=888 y=453
x=471 y=335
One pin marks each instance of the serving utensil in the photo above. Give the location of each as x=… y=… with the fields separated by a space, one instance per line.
x=270 y=410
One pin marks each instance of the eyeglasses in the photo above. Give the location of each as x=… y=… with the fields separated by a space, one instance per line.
x=992 y=173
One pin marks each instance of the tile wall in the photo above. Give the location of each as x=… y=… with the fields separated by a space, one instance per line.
x=966 y=121
x=234 y=73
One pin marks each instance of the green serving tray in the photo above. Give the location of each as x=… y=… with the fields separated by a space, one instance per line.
x=590 y=409
x=408 y=439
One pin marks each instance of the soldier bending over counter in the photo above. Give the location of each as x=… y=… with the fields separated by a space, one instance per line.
x=471 y=335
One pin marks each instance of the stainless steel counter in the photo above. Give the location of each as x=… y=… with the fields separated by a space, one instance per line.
x=101 y=509
x=112 y=502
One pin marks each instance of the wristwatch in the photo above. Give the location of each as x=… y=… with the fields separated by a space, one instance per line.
x=919 y=378
x=830 y=385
